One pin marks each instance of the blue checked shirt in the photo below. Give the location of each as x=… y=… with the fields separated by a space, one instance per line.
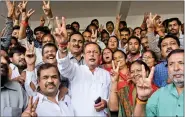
x=161 y=74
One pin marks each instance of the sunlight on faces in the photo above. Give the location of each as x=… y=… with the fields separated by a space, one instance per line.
x=92 y=55
x=119 y=57
x=49 y=81
x=176 y=69
x=49 y=55
x=107 y=56
x=167 y=45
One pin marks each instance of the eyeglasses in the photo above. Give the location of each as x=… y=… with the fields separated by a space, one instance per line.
x=146 y=58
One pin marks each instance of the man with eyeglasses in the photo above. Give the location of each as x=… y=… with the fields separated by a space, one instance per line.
x=87 y=82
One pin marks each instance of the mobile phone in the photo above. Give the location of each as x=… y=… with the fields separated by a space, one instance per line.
x=98 y=100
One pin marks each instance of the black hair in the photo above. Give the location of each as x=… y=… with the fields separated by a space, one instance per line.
x=137 y=28
x=50 y=35
x=141 y=63
x=16 y=27
x=71 y=28
x=125 y=30
x=46 y=66
x=174 y=19
x=122 y=53
x=153 y=54
x=169 y=36
x=16 y=49
x=94 y=20
x=86 y=31
x=75 y=22
x=174 y=52
x=76 y=33
x=103 y=62
x=116 y=39
x=134 y=37
x=91 y=25
x=109 y=22
x=43 y=29
x=92 y=43
x=49 y=45
x=123 y=23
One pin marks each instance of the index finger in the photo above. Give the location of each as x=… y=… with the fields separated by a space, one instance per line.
x=35 y=103
x=44 y=2
x=63 y=22
x=117 y=69
x=143 y=71
x=30 y=103
x=113 y=65
x=151 y=73
x=58 y=22
x=48 y=2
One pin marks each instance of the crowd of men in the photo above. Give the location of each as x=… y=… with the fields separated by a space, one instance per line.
x=56 y=70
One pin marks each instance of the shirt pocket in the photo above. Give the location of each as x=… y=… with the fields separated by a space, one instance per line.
x=12 y=111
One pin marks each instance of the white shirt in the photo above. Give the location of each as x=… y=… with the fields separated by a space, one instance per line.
x=38 y=53
x=85 y=86
x=46 y=107
x=15 y=71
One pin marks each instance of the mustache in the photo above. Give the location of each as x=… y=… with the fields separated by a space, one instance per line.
x=46 y=85
x=177 y=73
x=169 y=50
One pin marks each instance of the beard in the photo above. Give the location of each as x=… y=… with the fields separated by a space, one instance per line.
x=179 y=82
x=4 y=74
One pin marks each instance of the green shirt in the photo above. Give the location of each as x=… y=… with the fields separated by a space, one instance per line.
x=166 y=102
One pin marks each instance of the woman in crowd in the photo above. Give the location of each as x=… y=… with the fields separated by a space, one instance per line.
x=127 y=94
x=113 y=43
x=107 y=59
x=149 y=58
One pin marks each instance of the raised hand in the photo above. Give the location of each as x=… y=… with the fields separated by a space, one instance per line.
x=22 y=6
x=47 y=9
x=101 y=28
x=150 y=21
x=30 y=56
x=10 y=7
x=26 y=16
x=118 y=17
x=115 y=72
x=144 y=85
x=17 y=13
x=94 y=36
x=146 y=16
x=60 y=32
x=30 y=110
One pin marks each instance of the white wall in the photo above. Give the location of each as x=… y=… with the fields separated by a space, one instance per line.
x=136 y=20
x=84 y=21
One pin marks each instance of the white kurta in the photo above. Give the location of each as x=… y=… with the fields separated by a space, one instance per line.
x=85 y=86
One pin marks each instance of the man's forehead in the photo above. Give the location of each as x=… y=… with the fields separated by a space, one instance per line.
x=176 y=57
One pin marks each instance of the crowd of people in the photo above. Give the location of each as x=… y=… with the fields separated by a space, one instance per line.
x=56 y=70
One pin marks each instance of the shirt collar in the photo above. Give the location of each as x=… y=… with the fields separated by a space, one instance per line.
x=43 y=97
x=10 y=85
x=71 y=56
x=173 y=90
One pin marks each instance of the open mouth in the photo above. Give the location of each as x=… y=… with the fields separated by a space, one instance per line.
x=92 y=60
x=107 y=57
x=178 y=75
